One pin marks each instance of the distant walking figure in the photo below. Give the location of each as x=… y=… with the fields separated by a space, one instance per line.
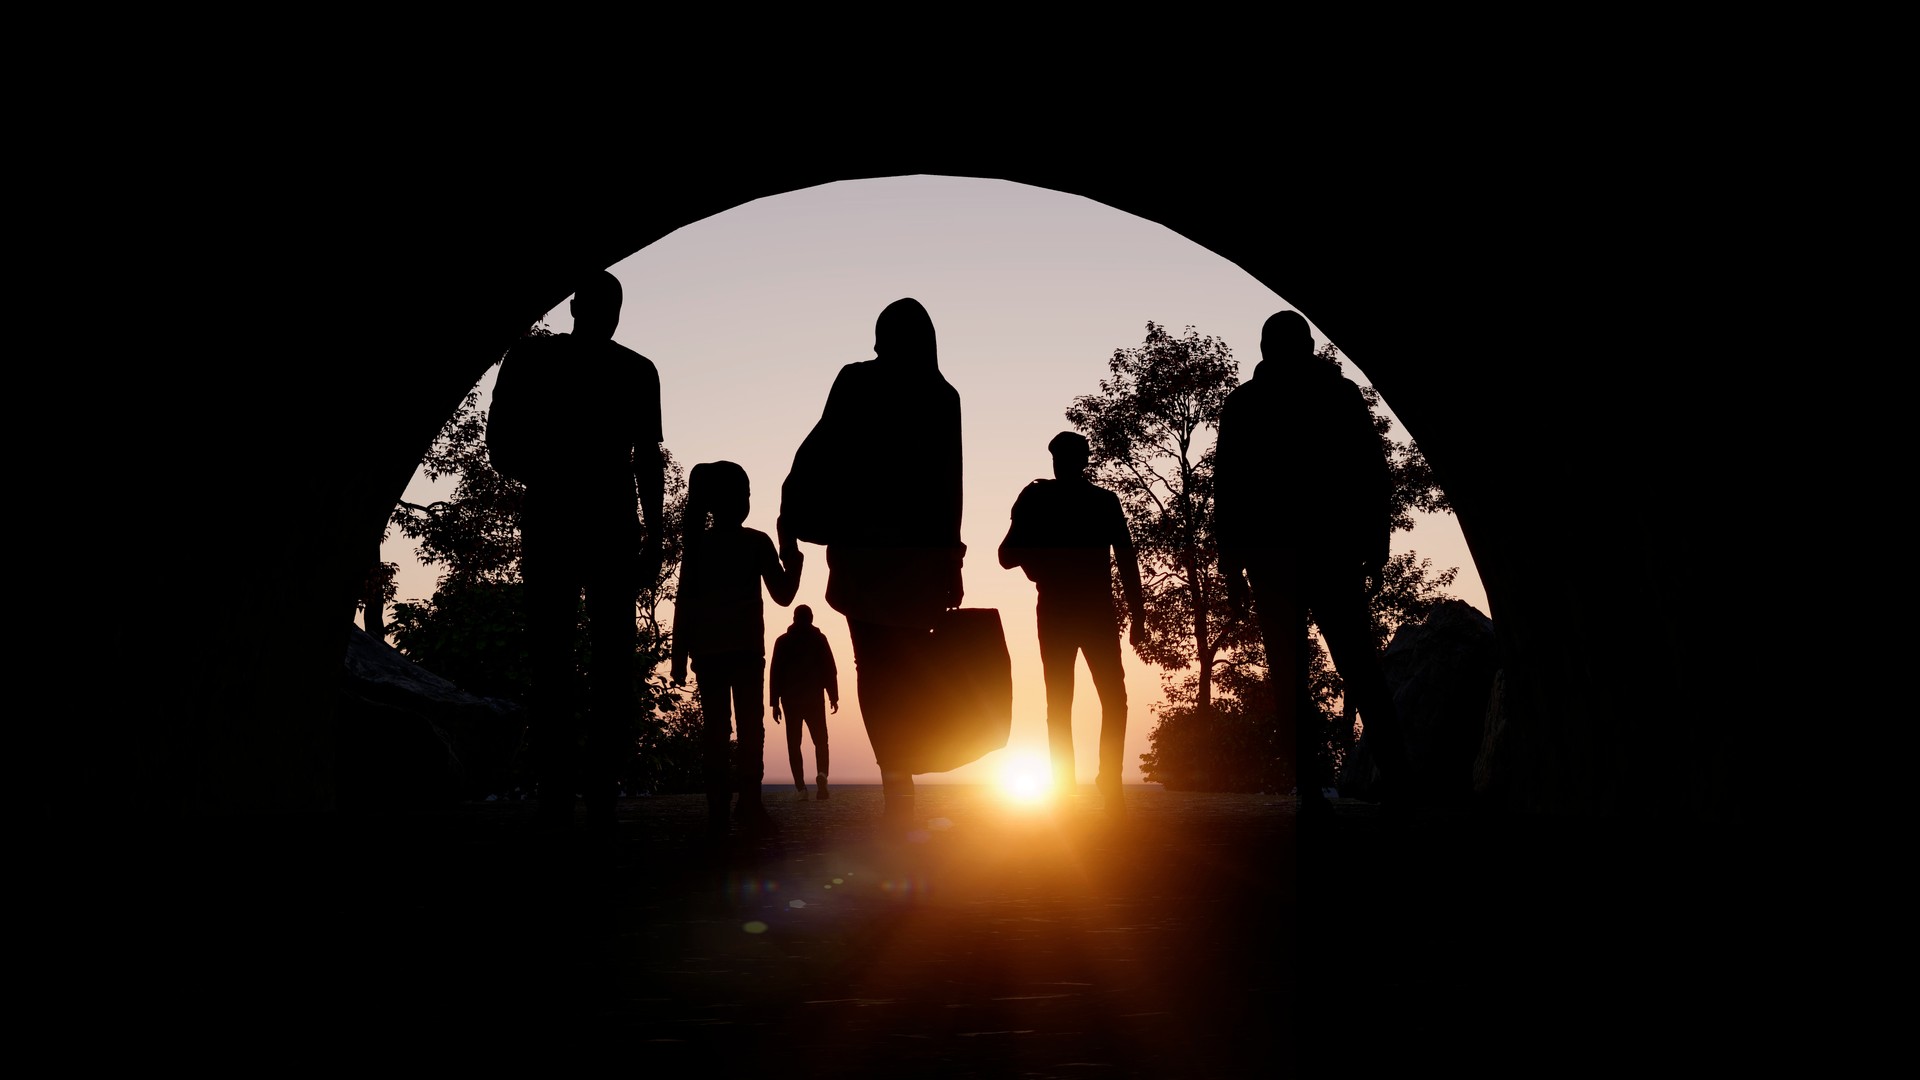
x=1302 y=505
x=717 y=622
x=1067 y=534
x=802 y=676
x=576 y=419
x=878 y=482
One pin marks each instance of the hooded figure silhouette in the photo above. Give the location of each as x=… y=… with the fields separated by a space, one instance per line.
x=878 y=482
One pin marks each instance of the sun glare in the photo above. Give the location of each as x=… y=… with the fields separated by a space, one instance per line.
x=1024 y=780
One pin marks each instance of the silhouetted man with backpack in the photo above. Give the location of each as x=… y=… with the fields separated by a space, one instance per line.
x=1066 y=535
x=576 y=418
x=1303 y=506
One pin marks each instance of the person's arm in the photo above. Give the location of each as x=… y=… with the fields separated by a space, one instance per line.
x=650 y=473
x=680 y=623
x=833 y=674
x=776 y=674
x=956 y=587
x=1229 y=455
x=782 y=578
x=506 y=416
x=1374 y=477
x=1129 y=562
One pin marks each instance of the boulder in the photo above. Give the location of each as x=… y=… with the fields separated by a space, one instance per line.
x=407 y=737
x=1442 y=674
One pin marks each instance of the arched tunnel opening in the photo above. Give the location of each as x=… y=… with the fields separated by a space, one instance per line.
x=749 y=312
x=1510 y=431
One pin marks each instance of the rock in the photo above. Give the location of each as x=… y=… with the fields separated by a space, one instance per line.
x=405 y=736
x=1441 y=672
x=1494 y=761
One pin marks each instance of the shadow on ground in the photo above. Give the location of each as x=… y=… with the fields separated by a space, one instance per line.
x=999 y=942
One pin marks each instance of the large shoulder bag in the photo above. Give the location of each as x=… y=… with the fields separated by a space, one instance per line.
x=970 y=683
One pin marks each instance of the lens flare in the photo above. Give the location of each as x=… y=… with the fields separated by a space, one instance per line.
x=1025 y=781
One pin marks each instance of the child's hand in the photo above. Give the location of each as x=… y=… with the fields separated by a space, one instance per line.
x=679 y=671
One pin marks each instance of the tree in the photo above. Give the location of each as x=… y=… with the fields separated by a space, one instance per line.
x=377 y=591
x=1149 y=429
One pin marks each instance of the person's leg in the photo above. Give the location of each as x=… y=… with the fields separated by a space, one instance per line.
x=748 y=675
x=610 y=732
x=1277 y=604
x=1058 y=648
x=1102 y=647
x=794 y=761
x=884 y=661
x=816 y=720
x=716 y=727
x=552 y=598
x=1340 y=609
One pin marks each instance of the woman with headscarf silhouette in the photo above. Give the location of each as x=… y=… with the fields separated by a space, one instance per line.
x=878 y=482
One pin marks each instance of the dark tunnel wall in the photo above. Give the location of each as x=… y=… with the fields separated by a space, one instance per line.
x=368 y=313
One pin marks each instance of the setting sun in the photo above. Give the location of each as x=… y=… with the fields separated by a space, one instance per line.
x=1025 y=780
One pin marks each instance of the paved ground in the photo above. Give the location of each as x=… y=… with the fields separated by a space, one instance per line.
x=1179 y=942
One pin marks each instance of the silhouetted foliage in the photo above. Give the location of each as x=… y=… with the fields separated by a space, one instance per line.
x=377 y=590
x=1149 y=427
x=473 y=630
x=474 y=535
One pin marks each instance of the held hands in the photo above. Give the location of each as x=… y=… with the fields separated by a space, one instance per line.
x=679 y=670
x=955 y=589
x=1137 y=633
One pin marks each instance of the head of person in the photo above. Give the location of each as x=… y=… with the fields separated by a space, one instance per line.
x=904 y=334
x=596 y=307
x=803 y=616
x=718 y=488
x=1070 y=455
x=1286 y=337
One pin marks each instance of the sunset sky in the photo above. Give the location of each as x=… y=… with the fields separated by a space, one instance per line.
x=750 y=314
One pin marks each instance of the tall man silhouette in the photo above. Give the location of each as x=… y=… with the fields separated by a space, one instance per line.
x=1302 y=505
x=1066 y=536
x=576 y=418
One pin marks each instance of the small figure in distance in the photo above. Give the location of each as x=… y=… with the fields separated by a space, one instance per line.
x=717 y=624
x=1067 y=535
x=802 y=673
x=576 y=419
x=1303 y=507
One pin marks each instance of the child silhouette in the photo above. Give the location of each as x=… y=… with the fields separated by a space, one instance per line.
x=717 y=623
